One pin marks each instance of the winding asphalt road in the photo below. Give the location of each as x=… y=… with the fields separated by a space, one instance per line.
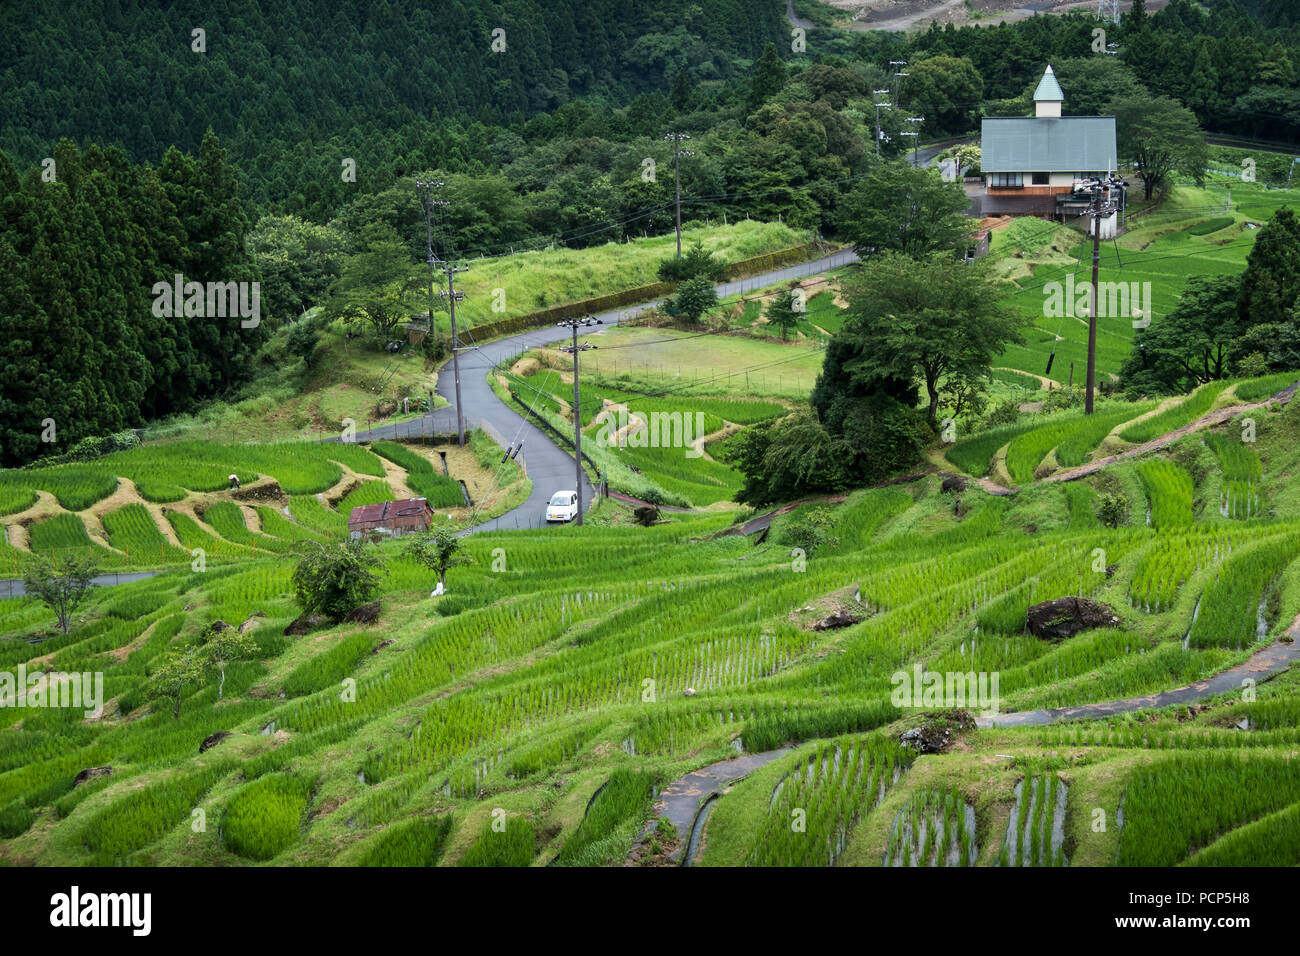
x=549 y=466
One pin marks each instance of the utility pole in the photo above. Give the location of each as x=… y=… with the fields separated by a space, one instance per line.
x=575 y=348
x=429 y=202
x=916 y=143
x=1097 y=213
x=879 y=104
x=677 y=179
x=452 y=298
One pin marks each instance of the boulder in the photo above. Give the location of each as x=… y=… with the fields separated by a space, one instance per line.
x=1065 y=617
x=90 y=773
x=365 y=614
x=953 y=483
x=305 y=623
x=840 y=618
x=212 y=740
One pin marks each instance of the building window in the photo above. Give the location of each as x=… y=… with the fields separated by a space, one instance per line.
x=1007 y=180
x=1040 y=179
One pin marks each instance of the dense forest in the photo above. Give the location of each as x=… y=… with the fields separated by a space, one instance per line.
x=132 y=149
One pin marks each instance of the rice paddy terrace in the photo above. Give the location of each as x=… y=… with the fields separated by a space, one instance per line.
x=157 y=506
x=534 y=713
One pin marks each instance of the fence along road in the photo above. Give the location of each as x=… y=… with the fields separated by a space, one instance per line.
x=548 y=465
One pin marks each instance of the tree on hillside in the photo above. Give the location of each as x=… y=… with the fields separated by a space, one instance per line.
x=376 y=283
x=781 y=313
x=938 y=320
x=1161 y=136
x=1090 y=83
x=438 y=551
x=909 y=210
x=1192 y=344
x=221 y=646
x=61 y=585
x=180 y=671
x=1270 y=285
x=946 y=90
x=768 y=79
x=696 y=261
x=694 y=298
x=786 y=458
x=298 y=261
x=336 y=578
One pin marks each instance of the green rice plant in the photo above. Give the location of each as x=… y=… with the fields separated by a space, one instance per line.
x=1081 y=503
x=228 y=521
x=974 y=455
x=366 y=493
x=15 y=498
x=1273 y=840
x=934 y=828
x=329 y=668
x=278 y=526
x=1239 y=497
x=1258 y=389
x=132 y=529
x=1075 y=448
x=1175 y=806
x=311 y=513
x=142 y=816
x=817 y=804
x=414 y=842
x=153 y=489
x=1036 y=826
x=552 y=753
x=440 y=490
x=76 y=486
x=15 y=819
x=1169 y=493
x=1232 y=609
x=859 y=520
x=192 y=536
x=512 y=845
x=1188 y=410
x=613 y=816
x=60 y=532
x=266 y=816
x=1172 y=560
x=1007 y=614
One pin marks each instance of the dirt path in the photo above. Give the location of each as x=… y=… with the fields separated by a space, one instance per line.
x=1205 y=421
x=682 y=799
x=1263 y=664
x=1043 y=380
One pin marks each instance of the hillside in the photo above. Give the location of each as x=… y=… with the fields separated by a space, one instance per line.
x=549 y=670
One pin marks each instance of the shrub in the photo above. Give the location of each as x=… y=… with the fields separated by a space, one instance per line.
x=811 y=531
x=694 y=262
x=1113 y=510
x=333 y=579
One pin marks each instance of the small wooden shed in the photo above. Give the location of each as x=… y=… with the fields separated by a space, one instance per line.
x=390 y=518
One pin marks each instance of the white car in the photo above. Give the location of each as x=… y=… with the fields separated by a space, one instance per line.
x=563 y=506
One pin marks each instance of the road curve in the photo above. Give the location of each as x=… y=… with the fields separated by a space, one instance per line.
x=550 y=467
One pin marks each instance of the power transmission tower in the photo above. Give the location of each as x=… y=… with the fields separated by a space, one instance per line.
x=1098 y=212
x=575 y=348
x=1108 y=11
x=677 y=179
